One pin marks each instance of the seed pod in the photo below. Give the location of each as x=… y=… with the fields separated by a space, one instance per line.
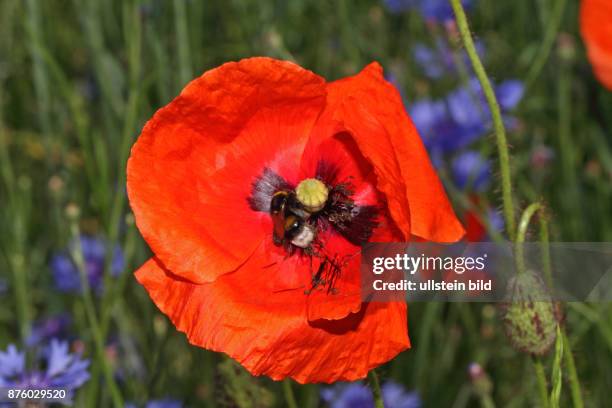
x=312 y=193
x=529 y=314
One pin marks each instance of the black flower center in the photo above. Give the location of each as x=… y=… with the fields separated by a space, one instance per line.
x=298 y=222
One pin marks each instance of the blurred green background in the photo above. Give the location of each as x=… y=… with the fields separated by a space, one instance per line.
x=78 y=79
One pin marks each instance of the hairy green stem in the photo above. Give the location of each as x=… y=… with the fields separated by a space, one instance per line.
x=568 y=357
x=557 y=373
x=498 y=124
x=520 y=268
x=574 y=382
x=522 y=232
x=375 y=384
x=504 y=163
x=542 y=383
x=544 y=242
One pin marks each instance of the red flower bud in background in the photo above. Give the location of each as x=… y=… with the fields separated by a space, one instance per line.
x=596 y=29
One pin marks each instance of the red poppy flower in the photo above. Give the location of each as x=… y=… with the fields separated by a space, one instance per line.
x=255 y=188
x=596 y=29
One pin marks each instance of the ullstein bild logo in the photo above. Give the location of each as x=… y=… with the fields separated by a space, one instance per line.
x=411 y=265
x=486 y=272
x=433 y=285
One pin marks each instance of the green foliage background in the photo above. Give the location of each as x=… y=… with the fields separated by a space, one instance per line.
x=78 y=79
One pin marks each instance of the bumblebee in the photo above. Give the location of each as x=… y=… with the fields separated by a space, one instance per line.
x=290 y=220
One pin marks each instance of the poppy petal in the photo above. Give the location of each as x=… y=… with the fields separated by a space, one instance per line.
x=276 y=339
x=372 y=110
x=183 y=151
x=340 y=296
x=272 y=141
x=338 y=157
x=332 y=155
x=596 y=30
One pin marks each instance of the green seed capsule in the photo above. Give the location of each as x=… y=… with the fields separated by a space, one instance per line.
x=530 y=316
x=312 y=193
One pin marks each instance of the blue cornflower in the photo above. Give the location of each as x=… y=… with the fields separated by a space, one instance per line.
x=435 y=125
x=509 y=93
x=357 y=395
x=462 y=117
x=66 y=274
x=48 y=328
x=431 y=10
x=439 y=60
x=58 y=369
x=164 y=403
x=470 y=169
x=396 y=396
x=496 y=220
x=12 y=364
x=440 y=10
x=468 y=107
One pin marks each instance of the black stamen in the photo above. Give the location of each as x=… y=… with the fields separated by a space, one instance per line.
x=362 y=222
x=327 y=172
x=354 y=222
x=327 y=274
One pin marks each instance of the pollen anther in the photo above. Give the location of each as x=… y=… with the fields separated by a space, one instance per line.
x=312 y=193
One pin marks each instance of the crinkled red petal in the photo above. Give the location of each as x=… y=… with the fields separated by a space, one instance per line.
x=268 y=332
x=596 y=29
x=372 y=111
x=190 y=170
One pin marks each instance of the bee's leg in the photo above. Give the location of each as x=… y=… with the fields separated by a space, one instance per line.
x=308 y=291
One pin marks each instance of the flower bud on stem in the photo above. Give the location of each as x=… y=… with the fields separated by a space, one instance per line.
x=504 y=163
